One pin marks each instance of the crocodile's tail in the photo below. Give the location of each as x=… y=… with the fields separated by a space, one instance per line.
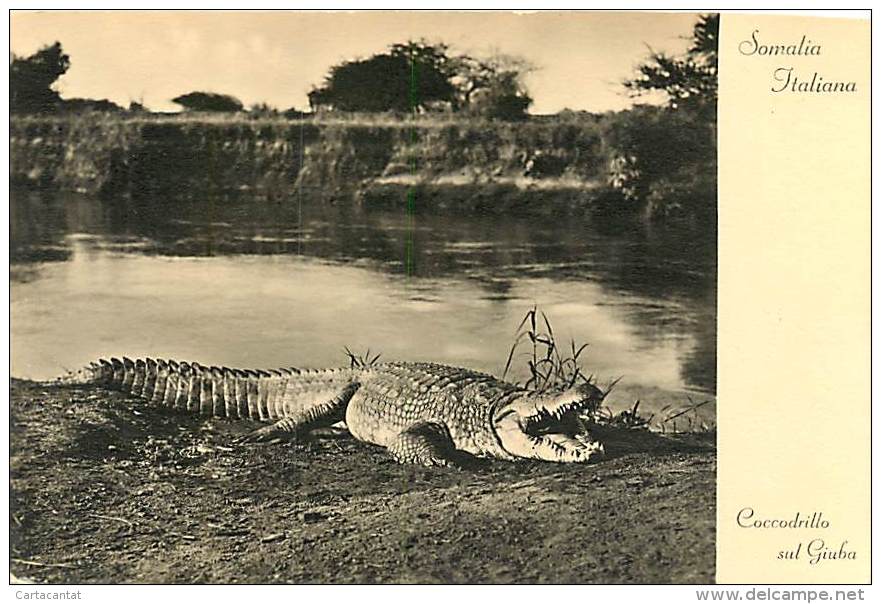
x=214 y=391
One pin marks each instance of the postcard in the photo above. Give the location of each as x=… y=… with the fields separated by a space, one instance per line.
x=440 y=297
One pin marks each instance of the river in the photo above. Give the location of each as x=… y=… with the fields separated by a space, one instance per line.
x=243 y=283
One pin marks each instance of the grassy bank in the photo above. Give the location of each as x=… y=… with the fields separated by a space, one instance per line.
x=545 y=165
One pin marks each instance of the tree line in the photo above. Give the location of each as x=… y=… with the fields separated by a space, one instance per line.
x=415 y=76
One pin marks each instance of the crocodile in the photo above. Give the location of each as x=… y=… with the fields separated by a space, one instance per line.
x=422 y=413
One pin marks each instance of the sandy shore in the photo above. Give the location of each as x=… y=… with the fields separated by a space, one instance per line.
x=107 y=490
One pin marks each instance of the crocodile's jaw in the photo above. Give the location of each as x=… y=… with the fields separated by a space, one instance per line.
x=548 y=427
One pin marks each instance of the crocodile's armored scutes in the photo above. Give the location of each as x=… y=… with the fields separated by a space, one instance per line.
x=421 y=412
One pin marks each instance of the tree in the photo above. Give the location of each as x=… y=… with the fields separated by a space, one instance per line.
x=31 y=80
x=658 y=142
x=664 y=158
x=691 y=81
x=493 y=87
x=408 y=77
x=417 y=75
x=262 y=110
x=497 y=70
x=208 y=101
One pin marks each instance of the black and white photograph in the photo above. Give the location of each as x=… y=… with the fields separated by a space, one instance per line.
x=365 y=297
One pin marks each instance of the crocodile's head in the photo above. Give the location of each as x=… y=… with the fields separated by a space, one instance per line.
x=548 y=426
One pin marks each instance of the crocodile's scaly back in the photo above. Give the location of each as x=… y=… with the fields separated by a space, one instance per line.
x=223 y=392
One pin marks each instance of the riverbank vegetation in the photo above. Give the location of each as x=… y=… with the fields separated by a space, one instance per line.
x=560 y=164
x=448 y=132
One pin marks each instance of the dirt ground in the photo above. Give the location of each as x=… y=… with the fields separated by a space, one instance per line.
x=107 y=490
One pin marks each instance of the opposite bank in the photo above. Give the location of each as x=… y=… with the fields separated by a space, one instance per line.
x=543 y=166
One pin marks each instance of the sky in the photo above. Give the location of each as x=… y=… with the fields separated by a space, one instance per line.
x=276 y=57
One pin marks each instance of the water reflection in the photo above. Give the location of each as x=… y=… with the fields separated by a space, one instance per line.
x=244 y=283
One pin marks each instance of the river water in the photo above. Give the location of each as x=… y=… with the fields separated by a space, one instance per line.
x=261 y=284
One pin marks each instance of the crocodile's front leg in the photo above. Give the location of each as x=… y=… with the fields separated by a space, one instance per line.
x=300 y=421
x=424 y=443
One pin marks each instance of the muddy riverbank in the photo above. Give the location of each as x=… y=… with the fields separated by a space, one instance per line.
x=107 y=490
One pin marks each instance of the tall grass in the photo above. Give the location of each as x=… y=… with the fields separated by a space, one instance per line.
x=555 y=368
x=549 y=367
x=386 y=120
x=361 y=361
